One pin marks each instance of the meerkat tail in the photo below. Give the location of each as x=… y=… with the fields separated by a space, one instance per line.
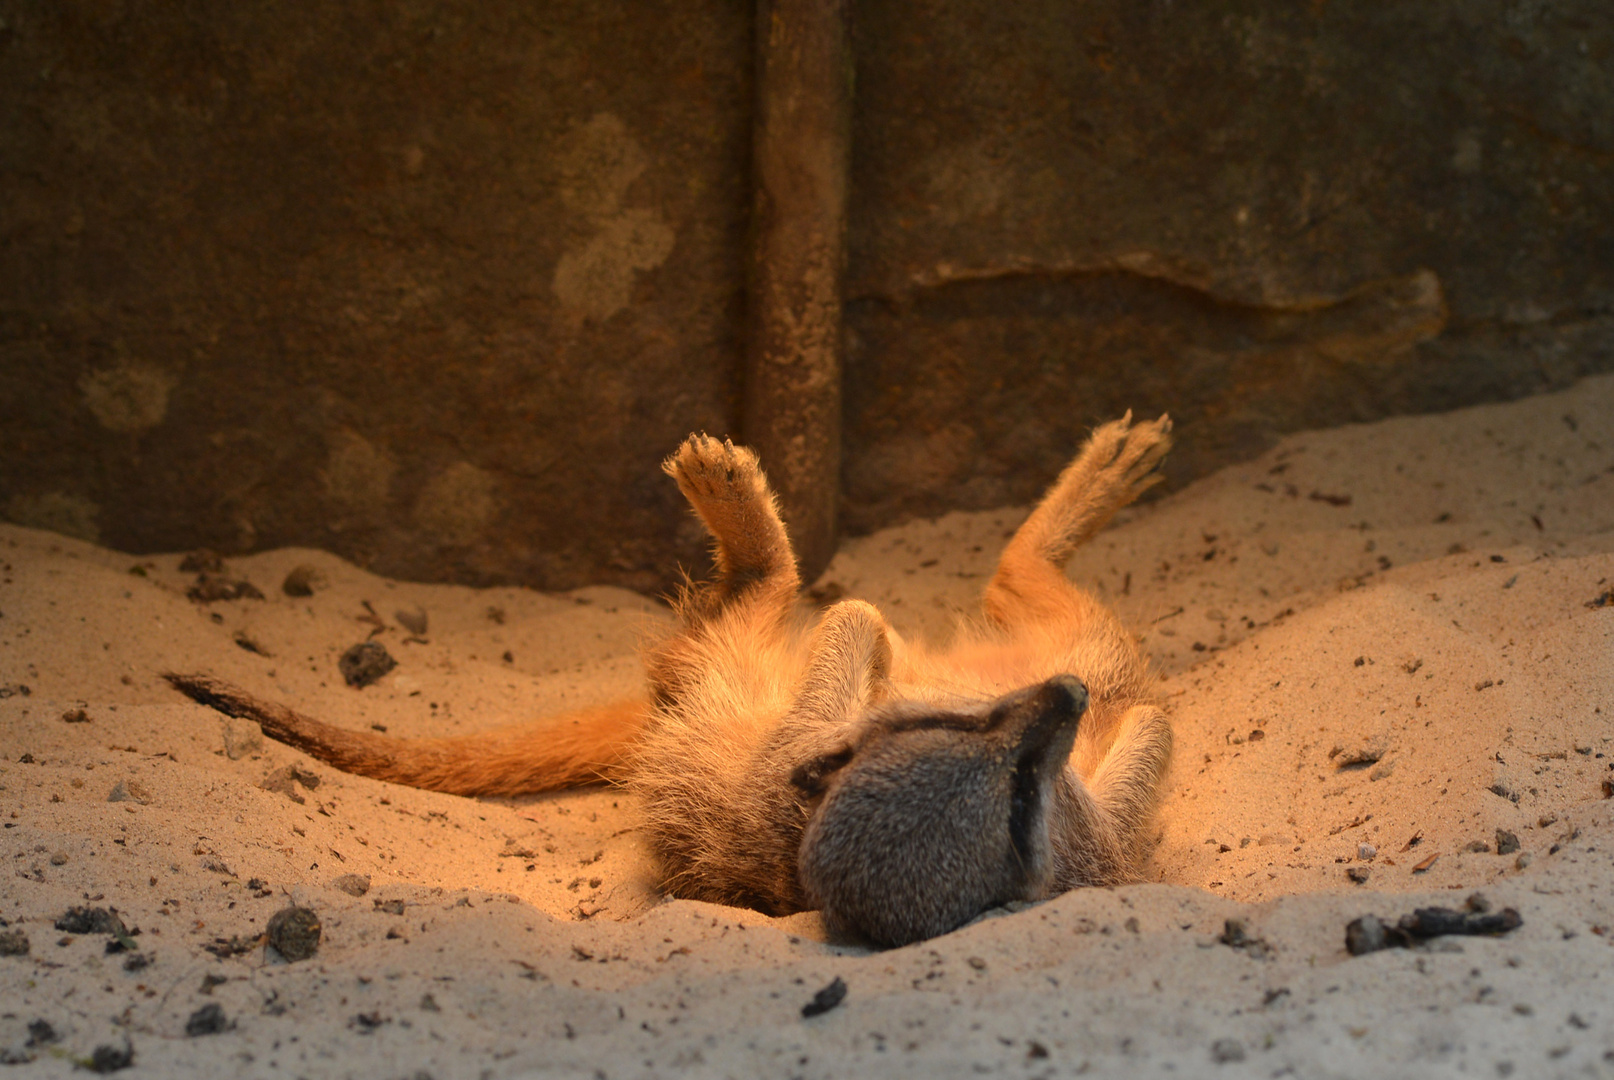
x=584 y=746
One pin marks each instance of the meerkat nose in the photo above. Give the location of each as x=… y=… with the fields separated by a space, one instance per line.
x=1071 y=687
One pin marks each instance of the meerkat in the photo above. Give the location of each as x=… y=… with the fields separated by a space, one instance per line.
x=788 y=764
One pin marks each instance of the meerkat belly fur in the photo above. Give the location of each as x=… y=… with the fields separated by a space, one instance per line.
x=789 y=763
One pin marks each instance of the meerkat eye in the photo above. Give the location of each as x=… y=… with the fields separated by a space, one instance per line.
x=811 y=777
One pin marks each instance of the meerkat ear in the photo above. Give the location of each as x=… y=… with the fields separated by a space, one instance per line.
x=812 y=777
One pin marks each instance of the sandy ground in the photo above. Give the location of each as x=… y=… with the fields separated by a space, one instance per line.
x=1384 y=653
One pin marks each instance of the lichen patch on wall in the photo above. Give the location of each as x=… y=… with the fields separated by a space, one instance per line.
x=58 y=512
x=457 y=505
x=595 y=281
x=127 y=397
x=357 y=478
x=599 y=162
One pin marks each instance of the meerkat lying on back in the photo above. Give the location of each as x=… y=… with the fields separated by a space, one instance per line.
x=786 y=766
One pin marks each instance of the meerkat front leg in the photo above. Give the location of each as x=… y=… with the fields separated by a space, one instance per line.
x=1119 y=462
x=849 y=667
x=725 y=485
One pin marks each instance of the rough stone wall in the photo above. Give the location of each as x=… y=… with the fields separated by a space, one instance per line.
x=1256 y=216
x=432 y=285
x=435 y=285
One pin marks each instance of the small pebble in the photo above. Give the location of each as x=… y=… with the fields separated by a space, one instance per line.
x=365 y=663
x=294 y=933
x=107 y=1058
x=1523 y=860
x=412 y=621
x=1365 y=935
x=1366 y=852
x=209 y=589
x=284 y=779
x=352 y=884
x=13 y=943
x=826 y=999
x=59 y=858
x=241 y=737
x=129 y=791
x=302 y=581
x=1358 y=874
x=1225 y=1051
x=1506 y=842
x=88 y=920
x=208 y=1020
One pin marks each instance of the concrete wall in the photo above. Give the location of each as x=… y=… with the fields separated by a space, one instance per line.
x=436 y=285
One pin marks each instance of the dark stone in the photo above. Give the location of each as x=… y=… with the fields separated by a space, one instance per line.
x=826 y=999
x=294 y=932
x=1235 y=936
x=14 y=943
x=40 y=1033
x=364 y=663
x=210 y=588
x=1506 y=842
x=224 y=948
x=208 y=1020
x=88 y=920
x=1435 y=921
x=364 y=1023
x=107 y=1058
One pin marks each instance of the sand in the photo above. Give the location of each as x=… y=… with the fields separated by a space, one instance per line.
x=1385 y=635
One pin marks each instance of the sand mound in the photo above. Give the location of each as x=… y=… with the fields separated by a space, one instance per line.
x=1389 y=653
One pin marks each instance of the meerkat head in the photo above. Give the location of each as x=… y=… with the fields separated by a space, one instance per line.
x=926 y=818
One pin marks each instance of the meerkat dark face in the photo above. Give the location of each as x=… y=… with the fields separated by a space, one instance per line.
x=926 y=819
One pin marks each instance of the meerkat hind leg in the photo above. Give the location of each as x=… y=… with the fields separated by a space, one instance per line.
x=1118 y=463
x=1098 y=827
x=1126 y=783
